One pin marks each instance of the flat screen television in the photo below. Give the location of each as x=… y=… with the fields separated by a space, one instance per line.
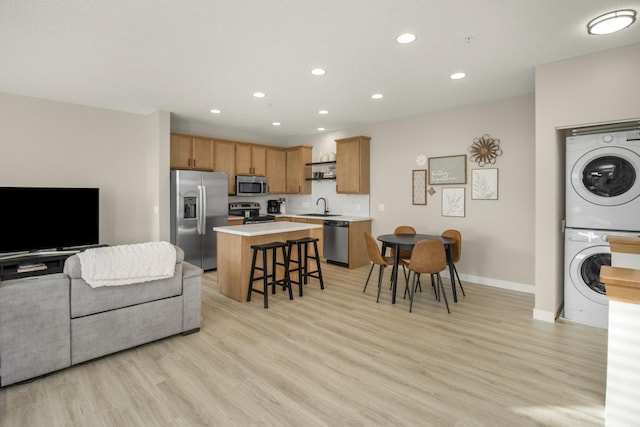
x=39 y=218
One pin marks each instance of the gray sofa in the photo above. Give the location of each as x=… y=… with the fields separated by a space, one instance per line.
x=54 y=321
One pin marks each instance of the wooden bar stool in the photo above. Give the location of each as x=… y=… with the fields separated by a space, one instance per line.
x=302 y=268
x=269 y=278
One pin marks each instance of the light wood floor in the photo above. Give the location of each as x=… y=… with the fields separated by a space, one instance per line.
x=335 y=357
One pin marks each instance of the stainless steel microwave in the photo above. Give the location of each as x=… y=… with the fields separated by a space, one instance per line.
x=251 y=185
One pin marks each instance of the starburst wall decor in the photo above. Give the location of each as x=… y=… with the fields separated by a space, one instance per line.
x=485 y=150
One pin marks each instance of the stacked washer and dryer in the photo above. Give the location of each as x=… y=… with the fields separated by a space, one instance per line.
x=602 y=199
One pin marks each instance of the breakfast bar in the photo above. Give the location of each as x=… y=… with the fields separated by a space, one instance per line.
x=234 y=251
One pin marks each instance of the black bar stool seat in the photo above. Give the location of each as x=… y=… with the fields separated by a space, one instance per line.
x=302 y=262
x=269 y=276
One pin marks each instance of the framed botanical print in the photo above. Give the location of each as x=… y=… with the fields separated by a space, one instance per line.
x=453 y=201
x=419 y=191
x=484 y=184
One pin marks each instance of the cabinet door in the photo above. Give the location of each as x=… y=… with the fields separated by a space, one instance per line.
x=202 y=154
x=276 y=170
x=297 y=157
x=243 y=159
x=180 y=157
x=259 y=160
x=352 y=165
x=225 y=161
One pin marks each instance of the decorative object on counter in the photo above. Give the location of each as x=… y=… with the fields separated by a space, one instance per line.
x=419 y=192
x=484 y=184
x=485 y=150
x=448 y=170
x=421 y=160
x=453 y=202
x=431 y=191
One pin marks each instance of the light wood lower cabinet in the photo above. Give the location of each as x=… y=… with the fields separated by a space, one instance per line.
x=235 y=221
x=358 y=255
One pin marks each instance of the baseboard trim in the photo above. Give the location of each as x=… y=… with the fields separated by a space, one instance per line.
x=544 y=315
x=495 y=283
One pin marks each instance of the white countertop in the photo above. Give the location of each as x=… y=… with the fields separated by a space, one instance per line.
x=263 y=228
x=348 y=218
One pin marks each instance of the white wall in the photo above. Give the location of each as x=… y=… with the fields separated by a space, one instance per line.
x=591 y=89
x=46 y=143
x=498 y=236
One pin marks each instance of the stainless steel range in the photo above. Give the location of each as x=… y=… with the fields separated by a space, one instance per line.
x=250 y=211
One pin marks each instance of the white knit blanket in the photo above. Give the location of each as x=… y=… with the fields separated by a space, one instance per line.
x=127 y=264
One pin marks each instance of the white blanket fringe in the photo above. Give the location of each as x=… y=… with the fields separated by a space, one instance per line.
x=128 y=264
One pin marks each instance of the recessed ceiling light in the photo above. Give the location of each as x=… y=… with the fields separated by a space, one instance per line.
x=611 y=22
x=323 y=112
x=318 y=72
x=457 y=76
x=215 y=111
x=259 y=94
x=321 y=129
x=276 y=123
x=377 y=96
x=406 y=38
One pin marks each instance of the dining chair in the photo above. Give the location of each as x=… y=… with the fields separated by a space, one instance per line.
x=404 y=254
x=378 y=259
x=428 y=256
x=456 y=252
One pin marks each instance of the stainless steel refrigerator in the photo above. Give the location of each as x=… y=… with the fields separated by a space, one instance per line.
x=199 y=202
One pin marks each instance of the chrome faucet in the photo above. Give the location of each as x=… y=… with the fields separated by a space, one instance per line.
x=326 y=208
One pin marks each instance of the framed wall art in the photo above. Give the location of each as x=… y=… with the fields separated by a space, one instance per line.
x=419 y=192
x=484 y=184
x=448 y=170
x=453 y=201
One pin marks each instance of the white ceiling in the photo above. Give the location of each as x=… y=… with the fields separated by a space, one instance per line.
x=189 y=56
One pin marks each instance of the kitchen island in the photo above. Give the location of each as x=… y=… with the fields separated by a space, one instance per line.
x=235 y=253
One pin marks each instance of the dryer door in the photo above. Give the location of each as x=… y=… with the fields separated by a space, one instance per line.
x=607 y=176
x=585 y=272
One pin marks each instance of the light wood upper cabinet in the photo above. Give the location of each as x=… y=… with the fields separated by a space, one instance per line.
x=352 y=165
x=190 y=152
x=297 y=157
x=251 y=159
x=225 y=160
x=276 y=170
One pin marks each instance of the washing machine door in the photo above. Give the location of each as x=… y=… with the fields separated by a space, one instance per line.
x=585 y=272
x=607 y=176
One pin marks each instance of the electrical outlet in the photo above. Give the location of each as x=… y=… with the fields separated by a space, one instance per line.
x=380 y=207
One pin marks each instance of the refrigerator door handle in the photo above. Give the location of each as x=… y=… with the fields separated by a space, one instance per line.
x=202 y=209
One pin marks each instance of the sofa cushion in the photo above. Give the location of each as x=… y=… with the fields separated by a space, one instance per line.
x=86 y=300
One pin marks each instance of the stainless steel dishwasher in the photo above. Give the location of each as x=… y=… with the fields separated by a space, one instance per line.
x=336 y=242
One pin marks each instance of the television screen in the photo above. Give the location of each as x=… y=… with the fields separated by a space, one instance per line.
x=36 y=218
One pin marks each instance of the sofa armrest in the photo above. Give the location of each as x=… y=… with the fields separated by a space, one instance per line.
x=191 y=297
x=34 y=327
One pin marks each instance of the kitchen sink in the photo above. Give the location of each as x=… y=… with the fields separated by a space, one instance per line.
x=319 y=214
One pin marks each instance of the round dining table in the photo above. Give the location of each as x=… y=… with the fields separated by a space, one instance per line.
x=408 y=241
